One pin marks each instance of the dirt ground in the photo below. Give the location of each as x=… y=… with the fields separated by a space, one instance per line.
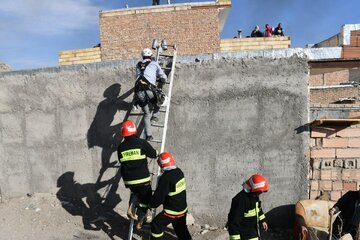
x=43 y=216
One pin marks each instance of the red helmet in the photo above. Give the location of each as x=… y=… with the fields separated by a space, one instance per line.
x=166 y=161
x=256 y=183
x=128 y=128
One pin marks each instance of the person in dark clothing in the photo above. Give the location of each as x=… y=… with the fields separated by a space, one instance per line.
x=132 y=154
x=156 y=2
x=246 y=213
x=256 y=32
x=279 y=30
x=349 y=217
x=171 y=192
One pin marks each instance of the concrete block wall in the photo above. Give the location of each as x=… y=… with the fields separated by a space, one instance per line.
x=194 y=29
x=335 y=160
x=230 y=118
x=239 y=44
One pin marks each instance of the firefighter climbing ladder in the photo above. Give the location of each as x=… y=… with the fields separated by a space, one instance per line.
x=159 y=129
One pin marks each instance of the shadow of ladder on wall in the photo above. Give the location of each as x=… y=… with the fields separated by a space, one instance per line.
x=159 y=129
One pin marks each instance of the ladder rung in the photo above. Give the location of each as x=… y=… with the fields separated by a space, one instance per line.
x=166 y=68
x=167 y=82
x=162 y=110
x=136 y=114
x=157 y=125
x=166 y=55
x=156 y=140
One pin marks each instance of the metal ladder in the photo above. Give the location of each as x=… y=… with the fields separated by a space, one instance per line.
x=159 y=129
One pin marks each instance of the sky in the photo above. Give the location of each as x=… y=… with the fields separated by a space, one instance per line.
x=32 y=32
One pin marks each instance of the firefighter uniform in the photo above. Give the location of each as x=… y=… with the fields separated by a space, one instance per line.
x=245 y=216
x=171 y=192
x=132 y=154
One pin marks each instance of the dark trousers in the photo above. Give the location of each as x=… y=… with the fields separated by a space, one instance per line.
x=143 y=195
x=156 y=2
x=160 y=222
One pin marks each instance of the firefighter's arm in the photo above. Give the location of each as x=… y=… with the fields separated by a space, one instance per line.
x=150 y=151
x=160 y=73
x=234 y=219
x=160 y=193
x=262 y=218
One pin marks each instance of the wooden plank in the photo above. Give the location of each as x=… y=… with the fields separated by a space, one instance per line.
x=318 y=122
x=255 y=39
x=238 y=48
x=96 y=49
x=355 y=41
x=351 y=52
x=79 y=58
x=273 y=43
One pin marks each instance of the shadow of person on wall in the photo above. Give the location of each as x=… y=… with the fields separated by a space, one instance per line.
x=101 y=132
x=97 y=211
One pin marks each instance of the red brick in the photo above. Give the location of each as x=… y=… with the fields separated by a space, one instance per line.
x=315 y=163
x=335 y=195
x=325 y=174
x=323 y=132
x=335 y=78
x=314 y=194
x=348 y=153
x=337 y=185
x=349 y=132
x=317 y=80
x=335 y=142
x=354 y=142
x=315 y=174
x=325 y=185
x=314 y=185
x=312 y=142
x=323 y=153
x=351 y=186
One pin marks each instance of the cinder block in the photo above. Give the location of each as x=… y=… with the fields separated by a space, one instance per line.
x=351 y=186
x=349 y=163
x=338 y=163
x=326 y=164
x=349 y=132
x=325 y=174
x=325 y=185
x=314 y=185
x=323 y=153
x=335 y=142
x=337 y=185
x=348 y=153
x=314 y=194
x=335 y=195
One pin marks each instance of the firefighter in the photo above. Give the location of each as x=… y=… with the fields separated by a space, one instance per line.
x=132 y=154
x=171 y=192
x=147 y=90
x=246 y=214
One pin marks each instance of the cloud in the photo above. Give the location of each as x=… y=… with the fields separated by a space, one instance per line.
x=47 y=17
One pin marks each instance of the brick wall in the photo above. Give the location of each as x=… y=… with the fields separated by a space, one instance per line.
x=329 y=79
x=194 y=29
x=331 y=95
x=335 y=161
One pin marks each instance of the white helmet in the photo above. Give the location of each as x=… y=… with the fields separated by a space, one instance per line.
x=146 y=52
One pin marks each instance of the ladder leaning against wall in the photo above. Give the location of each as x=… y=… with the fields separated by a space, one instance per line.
x=167 y=63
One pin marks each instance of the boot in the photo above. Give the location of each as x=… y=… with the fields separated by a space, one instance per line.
x=131 y=212
x=141 y=220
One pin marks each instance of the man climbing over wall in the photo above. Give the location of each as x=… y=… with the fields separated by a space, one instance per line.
x=171 y=192
x=245 y=213
x=132 y=154
x=146 y=88
x=349 y=217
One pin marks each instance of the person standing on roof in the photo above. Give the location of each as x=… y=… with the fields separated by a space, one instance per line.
x=147 y=71
x=132 y=154
x=156 y=2
x=279 y=31
x=256 y=32
x=267 y=31
x=171 y=192
x=246 y=213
